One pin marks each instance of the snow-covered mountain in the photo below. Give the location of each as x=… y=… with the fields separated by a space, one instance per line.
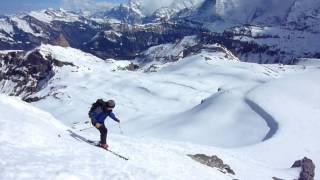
x=165 y=13
x=59 y=27
x=130 y=13
x=249 y=115
x=255 y=31
x=257 y=12
x=145 y=11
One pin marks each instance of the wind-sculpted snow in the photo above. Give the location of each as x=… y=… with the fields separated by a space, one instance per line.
x=272 y=124
x=293 y=102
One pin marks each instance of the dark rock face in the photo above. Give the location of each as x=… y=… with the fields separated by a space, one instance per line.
x=212 y=161
x=126 y=14
x=135 y=39
x=75 y=33
x=307 y=168
x=26 y=73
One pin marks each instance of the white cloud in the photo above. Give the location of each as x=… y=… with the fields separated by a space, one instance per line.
x=149 y=6
x=85 y=4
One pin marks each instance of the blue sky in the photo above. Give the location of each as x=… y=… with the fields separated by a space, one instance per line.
x=14 y=6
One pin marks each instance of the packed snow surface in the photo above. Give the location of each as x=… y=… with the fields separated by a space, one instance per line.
x=258 y=119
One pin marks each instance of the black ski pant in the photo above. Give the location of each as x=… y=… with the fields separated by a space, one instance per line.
x=103 y=134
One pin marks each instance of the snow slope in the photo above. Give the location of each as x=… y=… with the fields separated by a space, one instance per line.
x=35 y=145
x=250 y=115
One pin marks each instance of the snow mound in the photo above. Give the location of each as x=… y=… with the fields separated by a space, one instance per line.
x=293 y=102
x=215 y=122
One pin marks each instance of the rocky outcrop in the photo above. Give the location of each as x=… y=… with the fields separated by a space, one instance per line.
x=61 y=41
x=307 y=168
x=171 y=52
x=214 y=162
x=24 y=73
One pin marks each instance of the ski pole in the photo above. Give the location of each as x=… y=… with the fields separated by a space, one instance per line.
x=85 y=128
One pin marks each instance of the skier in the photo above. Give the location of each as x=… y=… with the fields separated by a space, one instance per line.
x=99 y=111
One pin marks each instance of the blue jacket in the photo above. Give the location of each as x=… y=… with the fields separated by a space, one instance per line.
x=99 y=116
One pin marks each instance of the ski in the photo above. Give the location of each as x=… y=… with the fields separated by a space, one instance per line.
x=80 y=138
x=114 y=153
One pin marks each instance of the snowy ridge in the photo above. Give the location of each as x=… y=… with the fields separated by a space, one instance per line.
x=6 y=26
x=46 y=16
x=158 y=56
x=6 y=30
x=169 y=11
x=18 y=28
x=50 y=15
x=25 y=26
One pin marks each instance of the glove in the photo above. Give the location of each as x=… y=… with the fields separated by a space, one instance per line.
x=98 y=125
x=118 y=120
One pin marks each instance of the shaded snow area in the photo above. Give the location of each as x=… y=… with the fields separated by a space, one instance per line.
x=257 y=118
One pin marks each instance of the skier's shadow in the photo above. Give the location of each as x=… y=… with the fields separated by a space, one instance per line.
x=81 y=138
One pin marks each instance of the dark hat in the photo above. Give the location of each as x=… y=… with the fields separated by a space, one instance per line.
x=111 y=103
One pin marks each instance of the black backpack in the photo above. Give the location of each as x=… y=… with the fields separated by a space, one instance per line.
x=98 y=103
